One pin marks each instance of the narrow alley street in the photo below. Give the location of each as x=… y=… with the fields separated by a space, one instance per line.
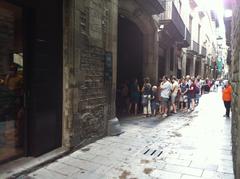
x=182 y=146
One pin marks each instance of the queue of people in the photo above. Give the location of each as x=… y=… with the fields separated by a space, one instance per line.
x=170 y=95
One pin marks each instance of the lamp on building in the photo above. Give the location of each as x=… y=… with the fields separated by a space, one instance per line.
x=161 y=27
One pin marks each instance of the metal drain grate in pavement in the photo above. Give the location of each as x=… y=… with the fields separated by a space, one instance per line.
x=152 y=152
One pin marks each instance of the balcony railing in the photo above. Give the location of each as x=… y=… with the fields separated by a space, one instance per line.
x=171 y=15
x=228 y=29
x=229 y=56
x=196 y=47
x=187 y=38
x=203 y=52
x=152 y=6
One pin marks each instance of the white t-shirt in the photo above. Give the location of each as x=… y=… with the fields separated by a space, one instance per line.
x=166 y=89
x=174 y=88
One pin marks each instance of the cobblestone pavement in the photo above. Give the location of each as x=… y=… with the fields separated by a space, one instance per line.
x=193 y=145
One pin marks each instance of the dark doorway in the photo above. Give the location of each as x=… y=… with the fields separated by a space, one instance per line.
x=30 y=77
x=197 y=67
x=11 y=82
x=188 y=66
x=129 y=62
x=43 y=61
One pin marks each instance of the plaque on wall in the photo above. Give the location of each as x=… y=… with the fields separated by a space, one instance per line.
x=108 y=66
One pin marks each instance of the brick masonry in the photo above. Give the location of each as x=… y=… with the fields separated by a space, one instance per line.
x=235 y=78
x=87 y=96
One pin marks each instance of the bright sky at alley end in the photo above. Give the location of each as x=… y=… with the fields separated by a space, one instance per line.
x=217 y=6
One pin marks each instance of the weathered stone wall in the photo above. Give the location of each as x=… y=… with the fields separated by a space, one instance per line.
x=235 y=77
x=87 y=96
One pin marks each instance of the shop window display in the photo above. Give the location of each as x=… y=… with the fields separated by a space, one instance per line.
x=11 y=82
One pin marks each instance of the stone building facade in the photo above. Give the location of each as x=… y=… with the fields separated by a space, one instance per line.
x=90 y=39
x=235 y=79
x=88 y=103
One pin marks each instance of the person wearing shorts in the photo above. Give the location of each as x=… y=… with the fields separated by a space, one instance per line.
x=183 y=97
x=174 y=94
x=165 y=87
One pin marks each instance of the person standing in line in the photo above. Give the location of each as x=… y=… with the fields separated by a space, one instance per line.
x=165 y=87
x=146 y=97
x=174 y=90
x=192 y=94
x=227 y=96
x=188 y=82
x=134 y=96
x=198 y=90
x=161 y=112
x=154 y=100
x=183 y=97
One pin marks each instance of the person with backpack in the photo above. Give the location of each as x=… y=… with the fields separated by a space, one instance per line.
x=192 y=94
x=183 y=95
x=146 y=97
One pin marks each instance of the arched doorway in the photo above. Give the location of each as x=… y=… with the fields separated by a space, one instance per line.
x=129 y=63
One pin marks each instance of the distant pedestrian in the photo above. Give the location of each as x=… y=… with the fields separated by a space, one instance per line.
x=134 y=96
x=154 y=100
x=183 y=96
x=197 y=91
x=189 y=83
x=227 y=96
x=146 y=97
x=192 y=94
x=166 y=87
x=174 y=93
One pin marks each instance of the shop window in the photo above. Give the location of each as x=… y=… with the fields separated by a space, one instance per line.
x=11 y=82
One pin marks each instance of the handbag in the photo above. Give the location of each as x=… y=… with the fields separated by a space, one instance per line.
x=144 y=100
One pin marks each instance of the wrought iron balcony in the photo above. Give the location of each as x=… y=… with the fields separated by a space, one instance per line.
x=228 y=29
x=194 y=48
x=229 y=56
x=152 y=6
x=186 y=42
x=172 y=21
x=193 y=3
x=203 y=52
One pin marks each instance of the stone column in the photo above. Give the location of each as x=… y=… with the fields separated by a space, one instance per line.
x=193 y=64
x=150 y=60
x=68 y=58
x=235 y=80
x=184 y=63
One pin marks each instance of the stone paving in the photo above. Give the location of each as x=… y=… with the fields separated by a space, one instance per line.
x=194 y=145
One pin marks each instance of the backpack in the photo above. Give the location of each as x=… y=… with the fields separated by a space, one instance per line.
x=197 y=90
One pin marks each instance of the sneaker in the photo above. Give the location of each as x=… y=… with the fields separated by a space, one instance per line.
x=164 y=115
x=224 y=115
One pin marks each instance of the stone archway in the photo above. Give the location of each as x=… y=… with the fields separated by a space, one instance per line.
x=144 y=21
